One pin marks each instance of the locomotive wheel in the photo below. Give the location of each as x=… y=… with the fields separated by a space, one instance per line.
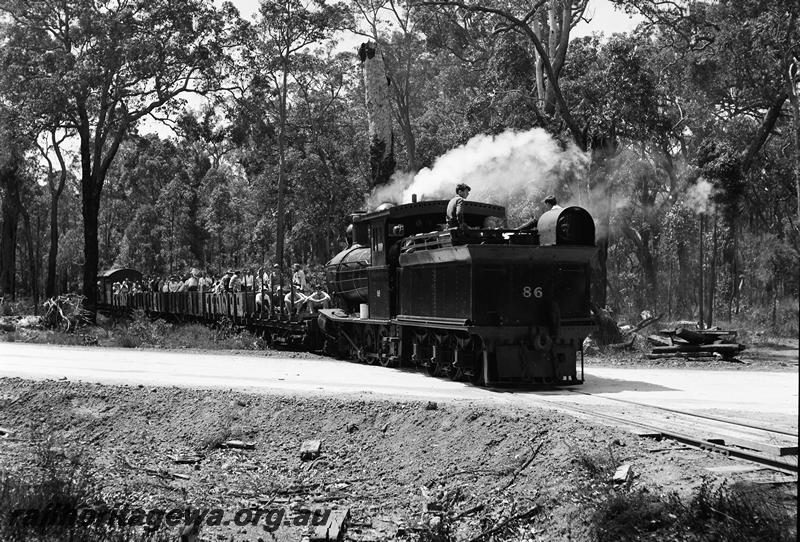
x=387 y=361
x=432 y=368
x=476 y=378
x=369 y=349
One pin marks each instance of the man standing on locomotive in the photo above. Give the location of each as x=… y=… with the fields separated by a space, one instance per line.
x=455 y=207
x=552 y=204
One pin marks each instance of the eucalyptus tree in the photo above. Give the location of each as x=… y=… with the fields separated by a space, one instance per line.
x=284 y=32
x=105 y=65
x=51 y=144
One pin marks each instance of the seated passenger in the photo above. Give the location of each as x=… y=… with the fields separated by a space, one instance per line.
x=263 y=301
x=319 y=299
x=294 y=304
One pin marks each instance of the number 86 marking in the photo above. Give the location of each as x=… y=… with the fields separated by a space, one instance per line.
x=537 y=292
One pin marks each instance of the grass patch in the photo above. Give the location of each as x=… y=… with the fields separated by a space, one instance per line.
x=599 y=465
x=46 y=336
x=142 y=331
x=727 y=513
x=46 y=503
x=21 y=307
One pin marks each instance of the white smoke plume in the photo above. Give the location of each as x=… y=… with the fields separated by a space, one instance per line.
x=503 y=169
x=698 y=196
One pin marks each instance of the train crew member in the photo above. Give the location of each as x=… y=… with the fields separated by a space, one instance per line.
x=552 y=204
x=299 y=278
x=319 y=299
x=455 y=207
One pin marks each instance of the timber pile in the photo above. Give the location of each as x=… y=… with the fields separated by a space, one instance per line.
x=700 y=344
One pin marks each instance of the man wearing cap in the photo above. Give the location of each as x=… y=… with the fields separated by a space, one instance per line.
x=552 y=204
x=455 y=207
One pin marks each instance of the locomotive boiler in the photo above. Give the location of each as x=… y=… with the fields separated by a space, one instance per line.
x=489 y=304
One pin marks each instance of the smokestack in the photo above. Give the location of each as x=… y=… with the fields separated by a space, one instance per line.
x=413 y=198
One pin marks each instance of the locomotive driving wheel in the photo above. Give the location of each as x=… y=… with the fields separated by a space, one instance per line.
x=386 y=357
x=433 y=366
x=460 y=347
x=479 y=363
x=369 y=350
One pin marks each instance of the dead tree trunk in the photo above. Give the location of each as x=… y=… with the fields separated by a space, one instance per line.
x=9 y=194
x=379 y=114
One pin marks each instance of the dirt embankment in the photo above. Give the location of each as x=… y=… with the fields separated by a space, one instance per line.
x=409 y=470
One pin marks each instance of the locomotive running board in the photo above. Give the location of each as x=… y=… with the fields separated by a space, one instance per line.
x=443 y=323
x=339 y=316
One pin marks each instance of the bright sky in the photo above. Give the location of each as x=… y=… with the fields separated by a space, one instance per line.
x=605 y=18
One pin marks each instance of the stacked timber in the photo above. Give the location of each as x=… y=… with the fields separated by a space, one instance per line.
x=695 y=344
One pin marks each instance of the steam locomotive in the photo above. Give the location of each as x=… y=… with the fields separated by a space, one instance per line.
x=489 y=304
x=492 y=305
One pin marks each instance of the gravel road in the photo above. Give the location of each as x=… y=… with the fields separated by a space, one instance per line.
x=746 y=395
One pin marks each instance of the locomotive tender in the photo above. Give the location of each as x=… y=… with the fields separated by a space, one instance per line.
x=497 y=306
x=492 y=305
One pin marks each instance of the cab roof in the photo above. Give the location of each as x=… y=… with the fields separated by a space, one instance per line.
x=474 y=208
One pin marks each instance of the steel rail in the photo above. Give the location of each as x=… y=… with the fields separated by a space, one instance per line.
x=741 y=453
x=693 y=414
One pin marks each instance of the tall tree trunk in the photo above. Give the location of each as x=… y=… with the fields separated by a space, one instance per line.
x=701 y=296
x=379 y=114
x=8 y=249
x=52 y=253
x=540 y=92
x=56 y=189
x=10 y=179
x=712 y=280
x=281 y=218
x=32 y=263
x=793 y=74
x=91 y=250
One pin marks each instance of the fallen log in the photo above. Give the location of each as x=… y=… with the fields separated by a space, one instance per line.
x=621 y=346
x=699 y=355
x=692 y=337
x=721 y=348
x=658 y=340
x=646 y=322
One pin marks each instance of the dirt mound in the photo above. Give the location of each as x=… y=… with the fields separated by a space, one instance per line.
x=411 y=470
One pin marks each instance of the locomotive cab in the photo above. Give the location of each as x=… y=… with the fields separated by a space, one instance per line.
x=366 y=271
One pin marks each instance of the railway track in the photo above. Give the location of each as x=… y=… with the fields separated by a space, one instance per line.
x=775 y=448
